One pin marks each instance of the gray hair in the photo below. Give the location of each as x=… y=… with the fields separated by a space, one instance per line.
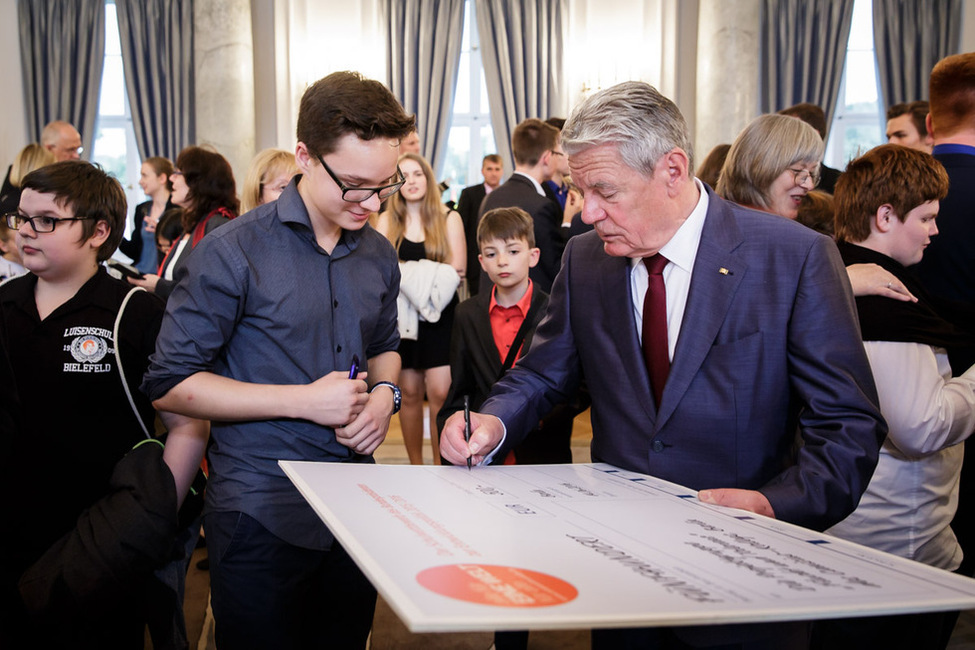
x=762 y=151
x=643 y=124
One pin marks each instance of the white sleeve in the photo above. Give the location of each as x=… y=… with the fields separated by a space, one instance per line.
x=926 y=409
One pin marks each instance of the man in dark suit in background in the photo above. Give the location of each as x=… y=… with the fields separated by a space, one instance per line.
x=469 y=208
x=948 y=267
x=535 y=146
x=750 y=335
x=947 y=270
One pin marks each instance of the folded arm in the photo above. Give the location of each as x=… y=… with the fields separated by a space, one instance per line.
x=333 y=400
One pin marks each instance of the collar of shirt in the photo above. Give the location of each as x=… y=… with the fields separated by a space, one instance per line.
x=950 y=147
x=538 y=186
x=487 y=189
x=292 y=211
x=522 y=305
x=681 y=251
x=21 y=293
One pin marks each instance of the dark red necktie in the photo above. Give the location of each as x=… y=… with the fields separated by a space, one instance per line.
x=655 y=346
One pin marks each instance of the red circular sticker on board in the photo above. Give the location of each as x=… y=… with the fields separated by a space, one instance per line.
x=502 y=586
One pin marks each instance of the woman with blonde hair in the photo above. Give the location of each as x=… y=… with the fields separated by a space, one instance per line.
x=430 y=242
x=270 y=172
x=771 y=166
x=31 y=157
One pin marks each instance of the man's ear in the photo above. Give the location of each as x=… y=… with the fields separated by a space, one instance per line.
x=545 y=160
x=676 y=165
x=304 y=158
x=533 y=255
x=930 y=126
x=884 y=216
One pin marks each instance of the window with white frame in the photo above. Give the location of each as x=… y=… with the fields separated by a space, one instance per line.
x=114 y=146
x=858 y=123
x=471 y=136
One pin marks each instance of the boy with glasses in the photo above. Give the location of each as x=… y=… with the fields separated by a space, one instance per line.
x=81 y=550
x=259 y=337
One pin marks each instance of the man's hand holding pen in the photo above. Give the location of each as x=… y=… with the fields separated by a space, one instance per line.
x=486 y=434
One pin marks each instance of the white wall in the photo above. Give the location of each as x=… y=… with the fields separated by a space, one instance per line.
x=968 y=26
x=297 y=42
x=224 y=68
x=612 y=41
x=13 y=114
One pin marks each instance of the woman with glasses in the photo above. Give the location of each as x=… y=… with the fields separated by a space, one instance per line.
x=771 y=166
x=420 y=227
x=203 y=185
x=270 y=172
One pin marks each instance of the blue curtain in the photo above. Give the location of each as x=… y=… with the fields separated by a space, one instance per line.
x=62 y=47
x=424 y=39
x=910 y=36
x=803 y=50
x=521 y=49
x=157 y=52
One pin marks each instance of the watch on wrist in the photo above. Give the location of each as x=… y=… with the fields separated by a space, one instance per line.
x=397 y=395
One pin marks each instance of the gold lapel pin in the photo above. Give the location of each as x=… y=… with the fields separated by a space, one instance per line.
x=724 y=271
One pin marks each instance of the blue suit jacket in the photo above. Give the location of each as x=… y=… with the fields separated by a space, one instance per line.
x=769 y=342
x=947 y=269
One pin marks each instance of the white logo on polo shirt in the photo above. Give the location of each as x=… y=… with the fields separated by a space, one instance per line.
x=88 y=347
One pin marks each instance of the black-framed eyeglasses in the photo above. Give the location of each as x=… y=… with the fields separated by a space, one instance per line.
x=360 y=194
x=40 y=224
x=800 y=176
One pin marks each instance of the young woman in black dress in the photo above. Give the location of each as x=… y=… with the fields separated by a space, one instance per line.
x=421 y=227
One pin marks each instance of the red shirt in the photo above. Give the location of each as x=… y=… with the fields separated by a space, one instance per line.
x=506 y=321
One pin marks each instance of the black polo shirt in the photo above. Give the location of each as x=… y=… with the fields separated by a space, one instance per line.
x=76 y=420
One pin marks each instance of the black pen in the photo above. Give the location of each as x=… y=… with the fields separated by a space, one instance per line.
x=354 y=370
x=467 y=426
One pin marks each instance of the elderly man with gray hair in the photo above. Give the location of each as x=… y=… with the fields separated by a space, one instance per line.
x=709 y=334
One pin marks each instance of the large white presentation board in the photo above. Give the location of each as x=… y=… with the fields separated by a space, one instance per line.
x=581 y=546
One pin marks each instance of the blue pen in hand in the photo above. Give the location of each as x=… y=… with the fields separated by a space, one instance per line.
x=354 y=370
x=467 y=425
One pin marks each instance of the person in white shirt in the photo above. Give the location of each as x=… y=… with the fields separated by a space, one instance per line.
x=886 y=208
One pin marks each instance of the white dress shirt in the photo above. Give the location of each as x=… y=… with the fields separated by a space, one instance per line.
x=913 y=494
x=681 y=251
